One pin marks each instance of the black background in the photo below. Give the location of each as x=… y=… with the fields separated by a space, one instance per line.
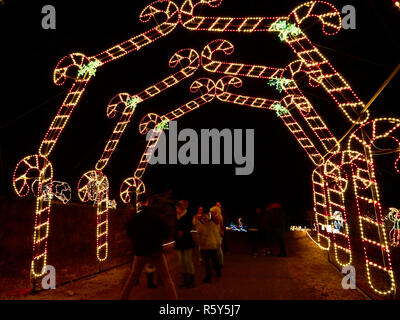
x=29 y=99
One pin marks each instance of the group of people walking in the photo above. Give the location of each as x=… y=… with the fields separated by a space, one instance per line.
x=149 y=232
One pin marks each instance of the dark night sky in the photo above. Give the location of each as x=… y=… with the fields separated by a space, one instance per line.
x=365 y=57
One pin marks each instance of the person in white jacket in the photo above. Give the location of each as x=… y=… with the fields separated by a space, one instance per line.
x=209 y=240
x=216 y=217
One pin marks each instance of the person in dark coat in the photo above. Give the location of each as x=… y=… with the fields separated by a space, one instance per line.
x=184 y=244
x=148 y=232
x=264 y=234
x=276 y=226
x=253 y=224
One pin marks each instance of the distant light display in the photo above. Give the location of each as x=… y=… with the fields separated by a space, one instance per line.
x=239 y=227
x=394 y=234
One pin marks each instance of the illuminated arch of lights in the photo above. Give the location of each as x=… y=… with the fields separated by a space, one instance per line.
x=343 y=170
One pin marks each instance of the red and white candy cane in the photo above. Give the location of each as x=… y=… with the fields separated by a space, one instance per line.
x=324 y=11
x=257 y=102
x=233 y=69
x=124 y=103
x=154 y=123
x=94 y=186
x=338 y=179
x=314 y=121
x=221 y=24
x=294 y=97
x=382 y=128
x=90 y=179
x=366 y=191
x=318 y=65
x=321 y=208
x=222 y=93
x=81 y=68
x=372 y=228
x=36 y=169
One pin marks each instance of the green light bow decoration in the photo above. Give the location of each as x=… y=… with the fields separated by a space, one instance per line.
x=132 y=102
x=285 y=29
x=89 y=68
x=163 y=125
x=279 y=84
x=279 y=109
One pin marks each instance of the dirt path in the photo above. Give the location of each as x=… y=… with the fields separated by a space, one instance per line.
x=304 y=274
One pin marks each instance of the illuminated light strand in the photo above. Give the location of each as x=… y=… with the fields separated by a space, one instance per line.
x=336 y=171
x=221 y=24
x=376 y=129
x=379 y=227
x=56 y=189
x=323 y=72
x=39 y=169
x=223 y=95
x=299 y=228
x=166 y=7
x=68 y=64
x=239 y=228
x=325 y=12
x=71 y=66
x=297 y=99
x=187 y=59
x=364 y=241
x=233 y=69
x=151 y=122
x=256 y=102
x=314 y=121
x=321 y=247
x=330 y=19
x=320 y=207
x=367 y=192
x=316 y=63
x=94 y=186
x=307 y=111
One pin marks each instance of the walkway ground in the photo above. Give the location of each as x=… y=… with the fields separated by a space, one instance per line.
x=305 y=274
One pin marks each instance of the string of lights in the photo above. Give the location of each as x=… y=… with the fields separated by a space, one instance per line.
x=151 y=123
x=338 y=175
x=81 y=69
x=125 y=104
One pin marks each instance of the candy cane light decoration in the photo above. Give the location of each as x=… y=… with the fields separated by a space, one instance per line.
x=96 y=181
x=342 y=169
x=152 y=121
x=80 y=68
